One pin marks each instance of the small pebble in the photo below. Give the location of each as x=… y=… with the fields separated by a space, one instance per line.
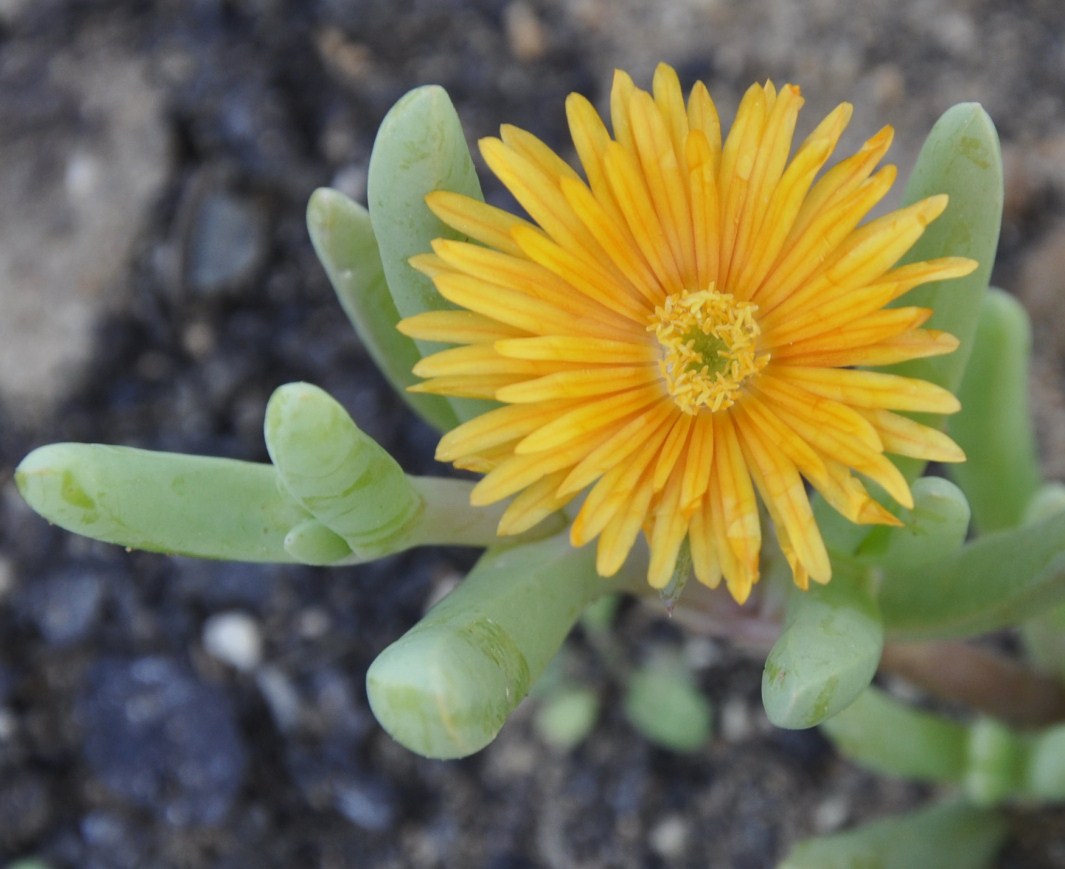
x=226 y=243
x=66 y=606
x=735 y=720
x=369 y=805
x=235 y=639
x=8 y=724
x=669 y=837
x=831 y=813
x=281 y=696
x=525 y=34
x=162 y=740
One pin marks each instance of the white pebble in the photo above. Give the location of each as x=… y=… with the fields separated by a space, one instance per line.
x=831 y=813
x=669 y=837
x=736 y=723
x=234 y=638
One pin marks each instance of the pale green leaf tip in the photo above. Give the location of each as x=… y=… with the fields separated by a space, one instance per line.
x=323 y=209
x=303 y=418
x=311 y=542
x=444 y=692
x=48 y=481
x=825 y=657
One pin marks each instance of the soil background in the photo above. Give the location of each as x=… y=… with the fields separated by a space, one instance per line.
x=157 y=283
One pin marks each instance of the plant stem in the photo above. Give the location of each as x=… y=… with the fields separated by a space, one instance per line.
x=980 y=678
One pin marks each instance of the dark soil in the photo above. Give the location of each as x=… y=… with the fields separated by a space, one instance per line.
x=123 y=741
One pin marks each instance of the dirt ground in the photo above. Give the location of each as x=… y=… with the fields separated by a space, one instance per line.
x=157 y=284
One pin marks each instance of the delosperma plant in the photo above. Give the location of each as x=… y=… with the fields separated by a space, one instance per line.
x=698 y=371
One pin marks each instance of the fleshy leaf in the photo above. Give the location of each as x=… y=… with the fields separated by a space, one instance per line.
x=445 y=688
x=886 y=736
x=162 y=502
x=995 y=762
x=826 y=655
x=664 y=705
x=951 y=836
x=934 y=528
x=338 y=473
x=1043 y=635
x=994 y=426
x=962 y=158
x=997 y=580
x=420 y=147
x=1044 y=774
x=311 y=542
x=343 y=238
x=567 y=715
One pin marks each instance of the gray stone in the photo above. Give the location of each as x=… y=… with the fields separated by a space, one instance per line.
x=225 y=242
x=162 y=740
x=85 y=152
x=65 y=606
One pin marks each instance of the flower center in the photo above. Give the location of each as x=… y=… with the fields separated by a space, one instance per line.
x=709 y=344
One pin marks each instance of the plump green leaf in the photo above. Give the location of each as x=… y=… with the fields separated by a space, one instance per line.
x=886 y=736
x=826 y=655
x=1043 y=635
x=420 y=147
x=995 y=762
x=339 y=473
x=567 y=715
x=344 y=241
x=1044 y=773
x=994 y=426
x=934 y=528
x=666 y=707
x=162 y=502
x=446 y=687
x=994 y=581
x=950 y=836
x=962 y=158
x=311 y=542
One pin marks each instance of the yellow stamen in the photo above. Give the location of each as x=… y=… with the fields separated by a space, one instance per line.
x=709 y=344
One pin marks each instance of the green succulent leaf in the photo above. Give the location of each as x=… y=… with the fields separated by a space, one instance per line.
x=446 y=687
x=420 y=148
x=934 y=528
x=311 y=542
x=886 y=736
x=962 y=158
x=994 y=426
x=162 y=502
x=663 y=704
x=950 y=836
x=1043 y=635
x=344 y=240
x=1044 y=773
x=567 y=715
x=339 y=473
x=994 y=581
x=826 y=655
x=995 y=762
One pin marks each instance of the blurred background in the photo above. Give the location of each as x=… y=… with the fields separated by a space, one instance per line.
x=157 y=283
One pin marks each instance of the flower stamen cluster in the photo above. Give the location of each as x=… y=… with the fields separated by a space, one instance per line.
x=709 y=344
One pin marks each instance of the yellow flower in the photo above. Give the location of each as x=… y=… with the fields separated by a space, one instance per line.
x=676 y=331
